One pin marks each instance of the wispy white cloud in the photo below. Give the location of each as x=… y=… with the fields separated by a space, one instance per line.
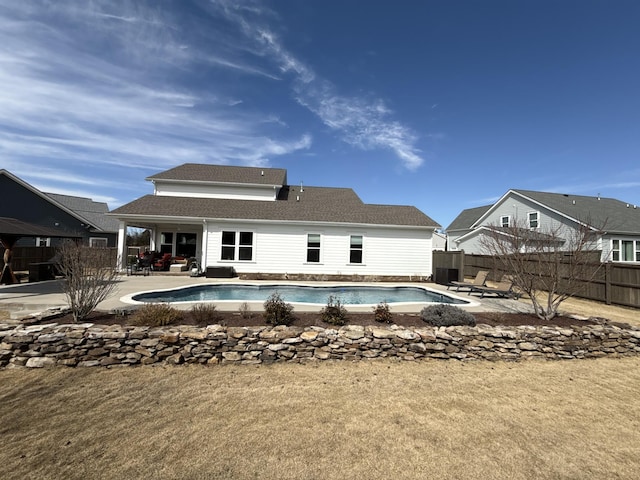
x=98 y=83
x=361 y=122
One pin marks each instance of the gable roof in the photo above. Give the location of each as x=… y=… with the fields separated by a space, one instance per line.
x=607 y=214
x=467 y=218
x=202 y=173
x=93 y=212
x=312 y=204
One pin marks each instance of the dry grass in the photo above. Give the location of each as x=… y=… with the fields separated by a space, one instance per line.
x=375 y=420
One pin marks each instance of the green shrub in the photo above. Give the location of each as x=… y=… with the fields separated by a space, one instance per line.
x=334 y=313
x=205 y=314
x=443 y=315
x=382 y=313
x=277 y=311
x=156 y=315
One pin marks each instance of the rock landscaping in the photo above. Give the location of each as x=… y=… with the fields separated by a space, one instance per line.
x=86 y=345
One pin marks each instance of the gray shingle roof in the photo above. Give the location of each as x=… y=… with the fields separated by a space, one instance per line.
x=315 y=204
x=93 y=212
x=467 y=218
x=197 y=172
x=608 y=214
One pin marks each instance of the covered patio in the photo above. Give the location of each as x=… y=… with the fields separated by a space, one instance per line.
x=11 y=230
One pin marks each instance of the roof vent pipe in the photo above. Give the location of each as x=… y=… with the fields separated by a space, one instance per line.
x=297 y=198
x=262 y=173
x=301 y=187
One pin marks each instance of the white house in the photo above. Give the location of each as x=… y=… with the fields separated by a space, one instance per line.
x=616 y=224
x=250 y=219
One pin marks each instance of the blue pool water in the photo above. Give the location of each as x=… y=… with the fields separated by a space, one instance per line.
x=348 y=295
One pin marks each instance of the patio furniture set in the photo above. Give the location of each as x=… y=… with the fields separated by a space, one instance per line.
x=503 y=288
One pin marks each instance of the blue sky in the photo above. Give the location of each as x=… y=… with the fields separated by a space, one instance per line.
x=444 y=105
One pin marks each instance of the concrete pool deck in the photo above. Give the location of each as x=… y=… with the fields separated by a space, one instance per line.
x=20 y=300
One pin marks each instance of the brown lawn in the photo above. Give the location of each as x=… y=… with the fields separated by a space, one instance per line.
x=374 y=420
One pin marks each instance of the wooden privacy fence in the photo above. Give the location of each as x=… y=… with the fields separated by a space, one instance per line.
x=24 y=256
x=611 y=283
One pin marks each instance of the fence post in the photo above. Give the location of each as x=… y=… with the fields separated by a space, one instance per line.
x=461 y=266
x=607 y=283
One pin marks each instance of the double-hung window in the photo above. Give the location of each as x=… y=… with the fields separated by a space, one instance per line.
x=237 y=246
x=625 y=250
x=355 y=249
x=533 y=219
x=313 y=248
x=504 y=221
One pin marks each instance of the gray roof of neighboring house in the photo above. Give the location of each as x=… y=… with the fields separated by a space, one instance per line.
x=313 y=204
x=607 y=214
x=197 y=172
x=93 y=212
x=467 y=218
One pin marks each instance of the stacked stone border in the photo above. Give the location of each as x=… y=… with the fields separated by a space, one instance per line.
x=88 y=345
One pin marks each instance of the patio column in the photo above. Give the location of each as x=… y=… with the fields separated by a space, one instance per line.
x=122 y=245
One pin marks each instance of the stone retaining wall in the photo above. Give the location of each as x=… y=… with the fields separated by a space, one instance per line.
x=87 y=345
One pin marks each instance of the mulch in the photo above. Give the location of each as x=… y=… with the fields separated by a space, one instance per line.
x=232 y=319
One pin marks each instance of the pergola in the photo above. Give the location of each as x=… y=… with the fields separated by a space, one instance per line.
x=11 y=230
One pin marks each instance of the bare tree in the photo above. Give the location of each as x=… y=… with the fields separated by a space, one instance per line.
x=90 y=276
x=549 y=266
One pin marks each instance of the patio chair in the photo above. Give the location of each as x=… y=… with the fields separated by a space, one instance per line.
x=479 y=281
x=503 y=288
x=163 y=262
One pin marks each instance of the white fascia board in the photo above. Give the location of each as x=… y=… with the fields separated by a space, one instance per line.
x=207 y=182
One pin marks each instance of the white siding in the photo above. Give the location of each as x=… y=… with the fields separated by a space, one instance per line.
x=236 y=192
x=283 y=249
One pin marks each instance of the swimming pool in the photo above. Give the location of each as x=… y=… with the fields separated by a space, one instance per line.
x=349 y=295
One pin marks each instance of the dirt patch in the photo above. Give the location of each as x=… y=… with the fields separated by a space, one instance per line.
x=231 y=319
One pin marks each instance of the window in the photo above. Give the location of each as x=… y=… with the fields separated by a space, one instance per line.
x=166 y=242
x=533 y=219
x=186 y=246
x=355 y=249
x=96 y=242
x=504 y=221
x=313 y=248
x=237 y=245
x=625 y=250
x=43 y=242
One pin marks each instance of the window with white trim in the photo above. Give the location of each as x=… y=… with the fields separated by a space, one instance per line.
x=505 y=221
x=237 y=246
x=166 y=242
x=98 y=242
x=43 y=242
x=313 y=248
x=355 y=249
x=625 y=250
x=533 y=218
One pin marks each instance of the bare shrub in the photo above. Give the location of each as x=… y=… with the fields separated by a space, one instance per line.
x=245 y=310
x=205 y=314
x=156 y=315
x=90 y=276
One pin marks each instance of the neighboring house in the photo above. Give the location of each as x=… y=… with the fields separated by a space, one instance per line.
x=250 y=219
x=616 y=224
x=439 y=241
x=67 y=214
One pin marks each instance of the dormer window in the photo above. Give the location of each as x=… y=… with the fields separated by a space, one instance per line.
x=533 y=219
